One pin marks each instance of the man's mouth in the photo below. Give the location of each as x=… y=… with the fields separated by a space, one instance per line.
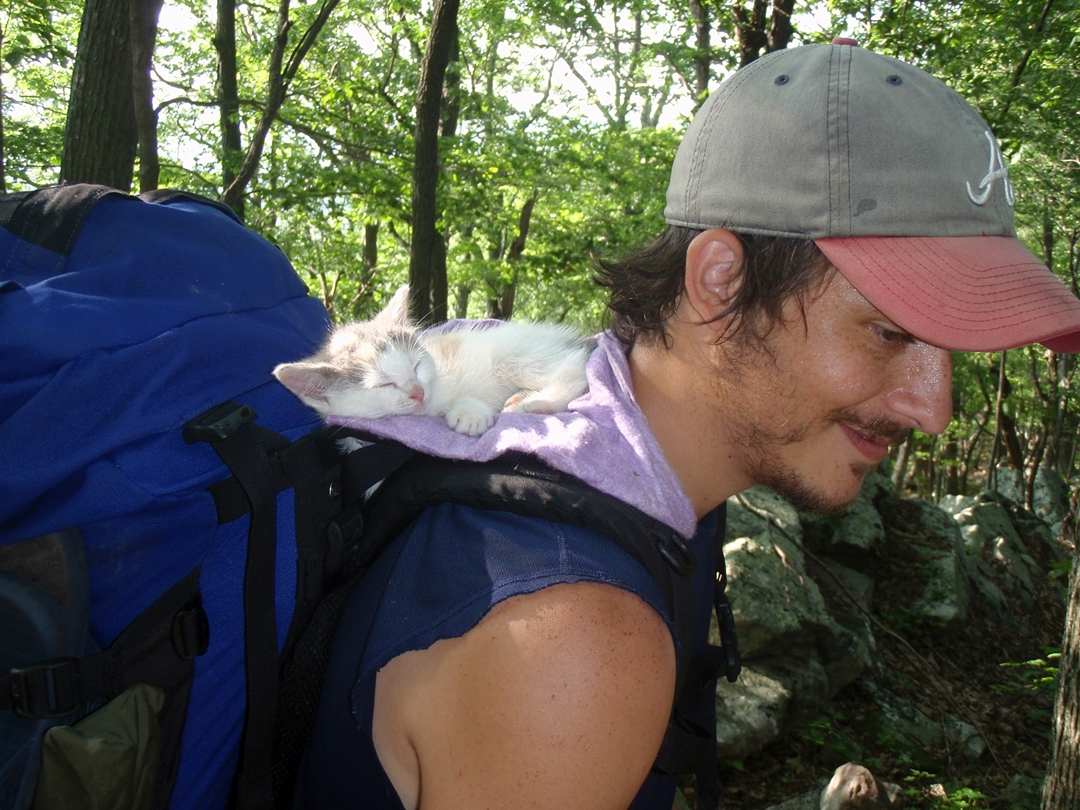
x=872 y=437
x=873 y=447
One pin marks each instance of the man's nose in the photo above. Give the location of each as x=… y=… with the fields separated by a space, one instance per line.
x=923 y=397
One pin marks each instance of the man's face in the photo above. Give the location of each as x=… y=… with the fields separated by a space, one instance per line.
x=814 y=409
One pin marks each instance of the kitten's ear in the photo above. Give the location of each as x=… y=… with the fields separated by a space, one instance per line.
x=396 y=313
x=308 y=381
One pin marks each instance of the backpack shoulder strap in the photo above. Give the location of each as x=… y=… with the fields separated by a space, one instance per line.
x=524 y=485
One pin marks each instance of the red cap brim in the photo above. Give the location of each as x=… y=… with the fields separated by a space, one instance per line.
x=970 y=293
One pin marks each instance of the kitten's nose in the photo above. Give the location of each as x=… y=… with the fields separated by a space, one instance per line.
x=417 y=393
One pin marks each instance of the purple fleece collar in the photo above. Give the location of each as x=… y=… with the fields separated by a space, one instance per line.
x=603 y=439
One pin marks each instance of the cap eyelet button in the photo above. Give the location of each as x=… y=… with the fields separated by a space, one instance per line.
x=782 y=79
x=894 y=80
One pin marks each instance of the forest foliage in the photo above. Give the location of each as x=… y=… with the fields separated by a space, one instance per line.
x=558 y=124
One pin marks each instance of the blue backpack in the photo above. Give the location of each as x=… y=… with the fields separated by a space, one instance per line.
x=122 y=320
x=178 y=534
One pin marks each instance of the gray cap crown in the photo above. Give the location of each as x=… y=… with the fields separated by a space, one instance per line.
x=834 y=140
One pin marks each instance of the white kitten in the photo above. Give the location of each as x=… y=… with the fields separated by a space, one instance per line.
x=386 y=366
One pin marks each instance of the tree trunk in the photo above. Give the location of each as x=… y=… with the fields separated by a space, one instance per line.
x=780 y=29
x=461 y=302
x=144 y=23
x=100 y=136
x=702 y=50
x=900 y=471
x=370 y=257
x=280 y=76
x=755 y=33
x=451 y=103
x=427 y=261
x=1011 y=436
x=228 y=96
x=951 y=457
x=3 y=183
x=1061 y=790
x=995 y=450
x=501 y=305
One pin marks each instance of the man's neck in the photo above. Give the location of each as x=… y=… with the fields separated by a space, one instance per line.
x=674 y=391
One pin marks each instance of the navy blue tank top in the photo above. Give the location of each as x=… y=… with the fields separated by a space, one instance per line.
x=436 y=581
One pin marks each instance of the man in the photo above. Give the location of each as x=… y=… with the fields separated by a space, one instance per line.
x=838 y=223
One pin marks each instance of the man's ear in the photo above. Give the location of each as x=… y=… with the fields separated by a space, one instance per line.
x=714 y=263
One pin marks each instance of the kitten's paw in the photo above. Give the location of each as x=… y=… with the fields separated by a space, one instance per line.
x=512 y=403
x=470 y=418
x=526 y=403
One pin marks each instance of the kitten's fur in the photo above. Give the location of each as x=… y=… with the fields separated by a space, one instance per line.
x=387 y=366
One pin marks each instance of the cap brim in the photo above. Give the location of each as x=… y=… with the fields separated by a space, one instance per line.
x=970 y=293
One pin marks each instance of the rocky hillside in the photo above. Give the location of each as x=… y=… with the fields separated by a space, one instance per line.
x=912 y=638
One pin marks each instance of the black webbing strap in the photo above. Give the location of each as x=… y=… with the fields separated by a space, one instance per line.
x=690 y=743
x=329 y=497
x=52 y=217
x=54 y=688
x=246 y=450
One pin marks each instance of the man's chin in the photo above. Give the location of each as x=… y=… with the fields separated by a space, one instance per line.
x=795 y=490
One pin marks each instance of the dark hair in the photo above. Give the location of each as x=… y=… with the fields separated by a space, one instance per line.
x=646 y=286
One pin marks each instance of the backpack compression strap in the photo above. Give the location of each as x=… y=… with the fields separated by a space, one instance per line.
x=328 y=489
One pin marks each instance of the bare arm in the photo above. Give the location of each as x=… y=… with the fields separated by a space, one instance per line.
x=556 y=699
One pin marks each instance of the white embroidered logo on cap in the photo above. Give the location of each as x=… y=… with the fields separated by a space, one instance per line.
x=997 y=171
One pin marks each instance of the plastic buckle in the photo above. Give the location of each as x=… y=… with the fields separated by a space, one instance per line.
x=677 y=554
x=190 y=632
x=49 y=689
x=218 y=423
x=729 y=642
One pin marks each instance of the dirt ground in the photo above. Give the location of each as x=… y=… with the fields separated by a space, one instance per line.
x=958 y=673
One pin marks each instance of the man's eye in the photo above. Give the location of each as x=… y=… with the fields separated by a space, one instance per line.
x=892 y=335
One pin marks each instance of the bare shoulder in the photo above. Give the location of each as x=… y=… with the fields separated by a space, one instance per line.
x=555 y=699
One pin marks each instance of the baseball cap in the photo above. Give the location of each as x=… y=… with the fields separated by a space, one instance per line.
x=897 y=179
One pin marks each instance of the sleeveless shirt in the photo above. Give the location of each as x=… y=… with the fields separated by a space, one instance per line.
x=438 y=580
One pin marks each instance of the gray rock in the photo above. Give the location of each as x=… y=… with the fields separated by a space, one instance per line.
x=1023 y=793
x=846 y=651
x=947 y=596
x=991 y=538
x=939 y=523
x=846 y=582
x=749 y=713
x=851 y=538
x=774 y=602
x=954 y=504
x=966 y=739
x=745 y=509
x=1050 y=499
x=770 y=695
x=913 y=731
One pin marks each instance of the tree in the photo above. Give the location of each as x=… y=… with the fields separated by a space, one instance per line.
x=1061 y=790
x=427 y=266
x=702 y=42
x=144 y=22
x=757 y=32
x=101 y=136
x=281 y=72
x=228 y=96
